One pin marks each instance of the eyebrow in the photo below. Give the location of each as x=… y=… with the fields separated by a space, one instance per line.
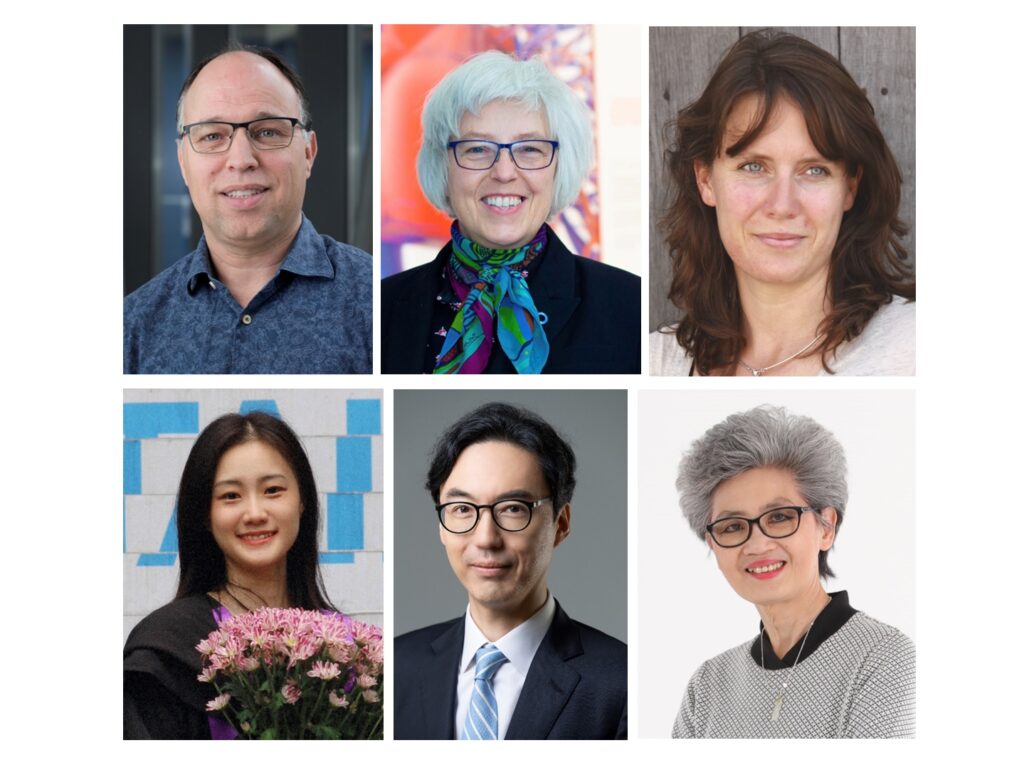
x=752 y=157
x=457 y=493
x=261 y=115
x=474 y=135
x=262 y=479
x=770 y=505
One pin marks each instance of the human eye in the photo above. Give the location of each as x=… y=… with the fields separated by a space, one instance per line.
x=818 y=171
x=752 y=167
x=210 y=132
x=780 y=516
x=459 y=510
x=229 y=496
x=513 y=509
x=730 y=526
x=274 y=490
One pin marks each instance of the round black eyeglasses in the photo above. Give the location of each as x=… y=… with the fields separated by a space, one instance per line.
x=508 y=514
x=777 y=523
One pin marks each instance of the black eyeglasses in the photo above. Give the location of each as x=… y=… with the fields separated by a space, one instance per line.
x=264 y=134
x=777 y=523
x=535 y=154
x=509 y=514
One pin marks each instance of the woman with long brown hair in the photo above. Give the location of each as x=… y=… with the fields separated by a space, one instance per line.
x=784 y=226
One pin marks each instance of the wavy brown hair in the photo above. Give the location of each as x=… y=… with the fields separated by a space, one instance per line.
x=869 y=264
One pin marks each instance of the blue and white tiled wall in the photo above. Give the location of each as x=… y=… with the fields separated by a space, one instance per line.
x=341 y=431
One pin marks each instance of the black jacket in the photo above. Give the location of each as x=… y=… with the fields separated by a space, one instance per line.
x=575 y=689
x=593 y=314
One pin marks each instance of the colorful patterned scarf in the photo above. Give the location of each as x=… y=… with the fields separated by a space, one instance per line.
x=491 y=283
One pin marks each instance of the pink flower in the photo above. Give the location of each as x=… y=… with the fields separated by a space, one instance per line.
x=325 y=670
x=371 y=697
x=207 y=675
x=336 y=700
x=291 y=693
x=366 y=681
x=218 y=703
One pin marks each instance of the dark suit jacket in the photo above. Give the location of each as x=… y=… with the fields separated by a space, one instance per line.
x=593 y=312
x=576 y=686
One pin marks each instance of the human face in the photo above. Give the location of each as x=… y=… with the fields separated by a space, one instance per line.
x=504 y=207
x=779 y=203
x=249 y=201
x=763 y=570
x=254 y=511
x=504 y=572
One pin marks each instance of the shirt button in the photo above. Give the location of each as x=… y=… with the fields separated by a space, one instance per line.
x=246 y=319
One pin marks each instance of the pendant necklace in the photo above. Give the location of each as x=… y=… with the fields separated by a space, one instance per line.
x=777 y=708
x=759 y=371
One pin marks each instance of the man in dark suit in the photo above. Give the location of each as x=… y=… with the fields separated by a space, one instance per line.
x=515 y=665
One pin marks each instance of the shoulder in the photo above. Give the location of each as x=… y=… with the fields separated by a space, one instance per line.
x=886 y=346
x=667 y=357
x=170 y=283
x=174 y=628
x=604 y=276
x=418 y=641
x=351 y=261
x=875 y=639
x=599 y=646
x=400 y=285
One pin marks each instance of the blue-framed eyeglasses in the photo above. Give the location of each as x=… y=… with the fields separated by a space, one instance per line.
x=534 y=154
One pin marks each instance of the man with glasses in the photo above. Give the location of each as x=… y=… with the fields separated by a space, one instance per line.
x=515 y=666
x=263 y=292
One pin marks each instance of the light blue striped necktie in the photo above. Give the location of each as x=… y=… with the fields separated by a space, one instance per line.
x=482 y=716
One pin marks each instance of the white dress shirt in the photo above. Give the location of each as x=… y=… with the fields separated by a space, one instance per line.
x=519 y=646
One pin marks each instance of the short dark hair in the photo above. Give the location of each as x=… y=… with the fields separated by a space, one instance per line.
x=869 y=263
x=202 y=562
x=513 y=425
x=305 y=115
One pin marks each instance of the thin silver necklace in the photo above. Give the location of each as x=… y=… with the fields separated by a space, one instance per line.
x=758 y=371
x=777 y=708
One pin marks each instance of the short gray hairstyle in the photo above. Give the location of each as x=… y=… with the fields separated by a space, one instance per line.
x=766 y=436
x=495 y=76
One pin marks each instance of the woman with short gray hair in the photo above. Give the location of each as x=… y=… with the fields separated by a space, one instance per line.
x=766 y=490
x=506 y=146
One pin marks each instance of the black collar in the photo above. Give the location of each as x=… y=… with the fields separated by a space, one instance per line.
x=832 y=617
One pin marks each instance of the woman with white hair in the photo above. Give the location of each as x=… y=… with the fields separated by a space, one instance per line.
x=506 y=146
x=766 y=490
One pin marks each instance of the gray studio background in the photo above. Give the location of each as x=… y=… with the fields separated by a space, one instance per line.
x=588 y=570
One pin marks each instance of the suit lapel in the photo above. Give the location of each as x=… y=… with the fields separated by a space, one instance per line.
x=413 y=314
x=550 y=681
x=438 y=680
x=554 y=288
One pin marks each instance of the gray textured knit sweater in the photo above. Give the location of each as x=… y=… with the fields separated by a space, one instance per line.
x=855 y=679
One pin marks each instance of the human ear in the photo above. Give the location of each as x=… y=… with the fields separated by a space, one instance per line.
x=562 y=524
x=852 y=183
x=828 y=528
x=181 y=160
x=310 y=152
x=702 y=172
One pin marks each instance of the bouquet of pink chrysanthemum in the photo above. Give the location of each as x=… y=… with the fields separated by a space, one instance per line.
x=291 y=673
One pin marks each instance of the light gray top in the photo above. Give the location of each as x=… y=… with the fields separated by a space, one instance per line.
x=859 y=683
x=885 y=347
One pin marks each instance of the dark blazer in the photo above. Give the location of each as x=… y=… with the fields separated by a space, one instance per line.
x=593 y=312
x=576 y=686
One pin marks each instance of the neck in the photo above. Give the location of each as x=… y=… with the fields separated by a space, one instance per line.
x=786 y=623
x=246 y=267
x=779 y=320
x=249 y=591
x=495 y=623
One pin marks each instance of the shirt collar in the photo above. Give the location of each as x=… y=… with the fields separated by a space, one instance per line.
x=307 y=256
x=519 y=645
x=832 y=617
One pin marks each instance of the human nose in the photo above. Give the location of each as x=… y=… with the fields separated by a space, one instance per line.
x=487 y=533
x=782 y=201
x=255 y=512
x=240 y=153
x=504 y=168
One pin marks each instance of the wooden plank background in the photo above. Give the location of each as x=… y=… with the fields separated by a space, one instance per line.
x=880 y=59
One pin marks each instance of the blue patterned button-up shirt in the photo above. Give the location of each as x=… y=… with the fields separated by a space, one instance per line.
x=314 y=316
